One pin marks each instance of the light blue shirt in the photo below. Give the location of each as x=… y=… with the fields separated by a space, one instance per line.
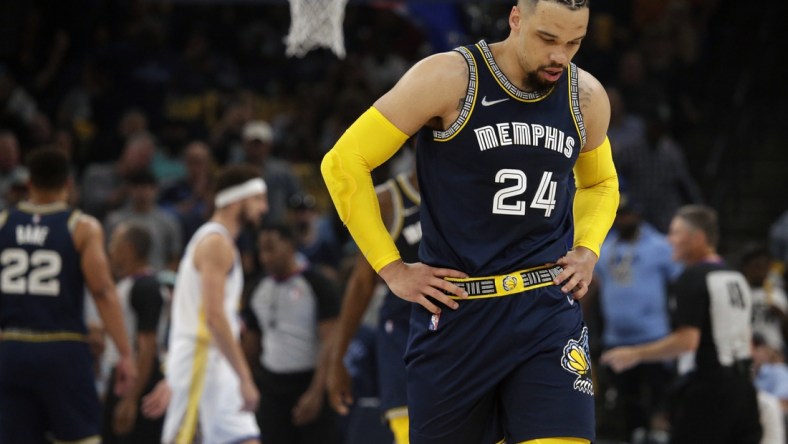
x=633 y=278
x=773 y=379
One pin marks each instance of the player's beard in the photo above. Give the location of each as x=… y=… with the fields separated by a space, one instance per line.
x=246 y=221
x=539 y=83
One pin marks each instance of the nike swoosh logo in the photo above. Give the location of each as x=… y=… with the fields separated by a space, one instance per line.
x=492 y=102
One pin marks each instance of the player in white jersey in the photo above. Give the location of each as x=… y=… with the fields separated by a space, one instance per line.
x=212 y=386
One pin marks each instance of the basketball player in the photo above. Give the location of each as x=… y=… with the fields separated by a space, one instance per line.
x=716 y=401
x=208 y=375
x=399 y=206
x=49 y=253
x=496 y=340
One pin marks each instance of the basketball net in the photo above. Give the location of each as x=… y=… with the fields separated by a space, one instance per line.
x=316 y=23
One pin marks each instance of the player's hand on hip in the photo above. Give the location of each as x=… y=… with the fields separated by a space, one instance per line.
x=250 y=395
x=419 y=282
x=620 y=358
x=155 y=403
x=578 y=265
x=125 y=374
x=339 y=386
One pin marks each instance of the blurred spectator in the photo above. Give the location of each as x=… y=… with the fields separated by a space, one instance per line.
x=141 y=298
x=142 y=209
x=315 y=235
x=290 y=316
x=187 y=198
x=17 y=107
x=641 y=93
x=65 y=140
x=226 y=133
x=90 y=109
x=11 y=170
x=382 y=67
x=626 y=129
x=17 y=190
x=655 y=171
x=103 y=184
x=778 y=239
x=769 y=303
x=258 y=138
x=771 y=371
x=110 y=141
x=633 y=275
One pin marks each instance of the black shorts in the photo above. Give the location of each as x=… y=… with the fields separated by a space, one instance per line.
x=719 y=408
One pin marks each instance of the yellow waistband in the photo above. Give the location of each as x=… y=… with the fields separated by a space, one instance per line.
x=40 y=336
x=507 y=284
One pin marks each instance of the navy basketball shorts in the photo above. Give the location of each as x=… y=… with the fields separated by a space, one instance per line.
x=514 y=367
x=392 y=339
x=47 y=389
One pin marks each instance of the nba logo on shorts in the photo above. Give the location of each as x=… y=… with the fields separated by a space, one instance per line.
x=434 y=321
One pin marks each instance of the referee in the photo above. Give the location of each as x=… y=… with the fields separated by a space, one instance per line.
x=711 y=307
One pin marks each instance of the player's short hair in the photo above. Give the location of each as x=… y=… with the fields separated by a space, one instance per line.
x=702 y=218
x=49 y=168
x=571 y=4
x=139 y=237
x=234 y=175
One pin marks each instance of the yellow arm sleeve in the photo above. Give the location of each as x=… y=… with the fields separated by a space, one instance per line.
x=346 y=168
x=596 y=199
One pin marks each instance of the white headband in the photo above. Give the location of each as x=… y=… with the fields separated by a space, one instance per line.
x=239 y=192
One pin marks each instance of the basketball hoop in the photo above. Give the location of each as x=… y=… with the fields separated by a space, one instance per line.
x=316 y=23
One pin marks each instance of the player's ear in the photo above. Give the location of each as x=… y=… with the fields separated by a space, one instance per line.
x=514 y=18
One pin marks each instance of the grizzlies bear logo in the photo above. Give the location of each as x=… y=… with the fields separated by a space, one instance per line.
x=575 y=360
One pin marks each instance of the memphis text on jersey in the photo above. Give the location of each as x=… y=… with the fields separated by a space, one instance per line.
x=519 y=133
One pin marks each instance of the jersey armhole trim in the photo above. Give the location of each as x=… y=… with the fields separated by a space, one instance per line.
x=574 y=104
x=73 y=219
x=467 y=106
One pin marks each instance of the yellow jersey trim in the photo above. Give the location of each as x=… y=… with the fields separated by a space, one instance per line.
x=41 y=336
x=188 y=428
x=95 y=439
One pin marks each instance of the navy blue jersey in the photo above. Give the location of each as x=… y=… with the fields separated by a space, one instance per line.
x=497 y=184
x=406 y=232
x=41 y=281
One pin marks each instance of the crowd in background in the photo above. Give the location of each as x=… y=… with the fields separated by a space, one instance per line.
x=149 y=97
